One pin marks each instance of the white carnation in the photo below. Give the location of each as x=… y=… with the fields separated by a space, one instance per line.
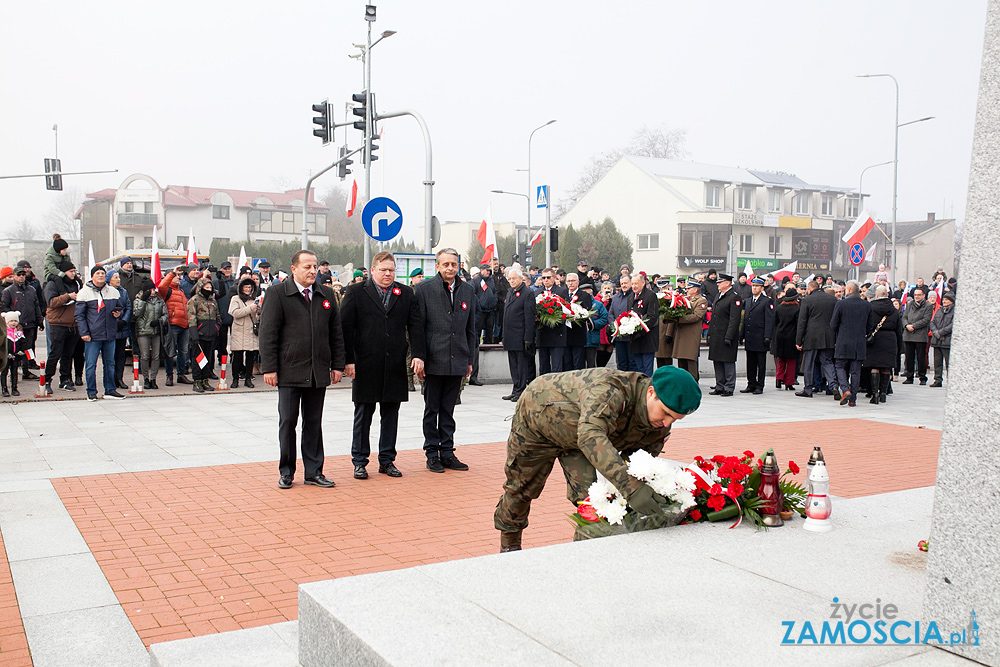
x=642 y=465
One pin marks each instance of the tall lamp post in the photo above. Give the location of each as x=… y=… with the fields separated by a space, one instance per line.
x=861 y=198
x=895 y=161
x=547 y=244
x=517 y=248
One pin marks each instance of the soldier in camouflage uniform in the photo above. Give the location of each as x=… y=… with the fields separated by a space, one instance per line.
x=588 y=420
x=204 y=324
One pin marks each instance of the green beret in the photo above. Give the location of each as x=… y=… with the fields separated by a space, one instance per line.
x=416 y=272
x=676 y=389
x=358 y=272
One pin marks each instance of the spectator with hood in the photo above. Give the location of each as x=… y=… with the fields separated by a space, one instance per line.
x=204 y=322
x=244 y=313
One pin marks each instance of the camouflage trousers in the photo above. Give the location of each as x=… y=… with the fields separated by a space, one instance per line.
x=529 y=461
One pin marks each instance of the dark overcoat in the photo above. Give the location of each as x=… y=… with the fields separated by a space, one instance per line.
x=552 y=336
x=758 y=323
x=375 y=340
x=884 y=349
x=449 y=326
x=727 y=313
x=814 y=331
x=301 y=342
x=519 y=318
x=577 y=334
x=852 y=321
x=646 y=306
x=786 y=321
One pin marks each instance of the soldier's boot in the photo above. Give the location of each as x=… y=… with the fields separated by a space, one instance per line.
x=510 y=542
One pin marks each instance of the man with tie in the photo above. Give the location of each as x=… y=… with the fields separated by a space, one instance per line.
x=758 y=327
x=301 y=353
x=551 y=341
x=576 y=335
x=378 y=314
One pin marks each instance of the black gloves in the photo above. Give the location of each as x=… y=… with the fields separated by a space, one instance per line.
x=729 y=342
x=529 y=346
x=669 y=339
x=646 y=501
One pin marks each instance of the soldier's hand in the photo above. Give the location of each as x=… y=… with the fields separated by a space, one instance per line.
x=646 y=501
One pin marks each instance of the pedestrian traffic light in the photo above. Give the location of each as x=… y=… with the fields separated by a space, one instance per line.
x=553 y=239
x=324 y=122
x=53 y=178
x=342 y=168
x=360 y=99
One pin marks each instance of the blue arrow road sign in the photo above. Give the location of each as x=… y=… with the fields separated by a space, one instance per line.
x=382 y=219
x=857 y=254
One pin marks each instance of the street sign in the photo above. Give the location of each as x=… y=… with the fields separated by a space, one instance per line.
x=53 y=177
x=542 y=198
x=857 y=254
x=382 y=219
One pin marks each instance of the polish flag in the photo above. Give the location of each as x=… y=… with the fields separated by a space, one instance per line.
x=487 y=238
x=90 y=257
x=192 y=255
x=154 y=271
x=537 y=237
x=30 y=354
x=859 y=230
x=787 y=270
x=243 y=261
x=352 y=198
x=870 y=253
x=201 y=359
x=748 y=270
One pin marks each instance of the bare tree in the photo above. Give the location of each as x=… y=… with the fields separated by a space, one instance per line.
x=340 y=228
x=22 y=230
x=59 y=216
x=658 y=142
x=281 y=183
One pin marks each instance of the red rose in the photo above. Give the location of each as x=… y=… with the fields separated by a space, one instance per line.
x=587 y=511
x=551 y=311
x=734 y=490
x=717 y=502
x=794 y=468
x=695 y=515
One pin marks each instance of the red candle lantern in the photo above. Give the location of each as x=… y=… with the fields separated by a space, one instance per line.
x=770 y=490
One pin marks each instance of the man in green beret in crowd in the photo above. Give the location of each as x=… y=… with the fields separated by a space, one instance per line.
x=590 y=420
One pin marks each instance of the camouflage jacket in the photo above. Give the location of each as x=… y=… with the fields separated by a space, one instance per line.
x=200 y=309
x=598 y=411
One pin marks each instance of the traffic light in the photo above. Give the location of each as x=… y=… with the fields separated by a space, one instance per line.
x=374 y=148
x=342 y=168
x=553 y=239
x=53 y=166
x=324 y=121
x=361 y=99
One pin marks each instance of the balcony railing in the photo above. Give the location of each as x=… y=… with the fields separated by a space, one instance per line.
x=138 y=219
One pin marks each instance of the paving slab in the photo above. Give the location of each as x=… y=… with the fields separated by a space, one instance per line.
x=101 y=637
x=264 y=646
x=60 y=584
x=42 y=537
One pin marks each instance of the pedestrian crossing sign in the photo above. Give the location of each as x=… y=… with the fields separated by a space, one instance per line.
x=542 y=198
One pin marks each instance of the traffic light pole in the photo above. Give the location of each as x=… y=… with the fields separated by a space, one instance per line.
x=305 y=197
x=428 y=172
x=367 y=155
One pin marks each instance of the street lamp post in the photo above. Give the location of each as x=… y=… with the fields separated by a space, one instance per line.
x=861 y=197
x=528 y=198
x=548 y=253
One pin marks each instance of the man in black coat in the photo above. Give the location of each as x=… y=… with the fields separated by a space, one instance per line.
x=852 y=321
x=378 y=314
x=576 y=335
x=485 y=287
x=724 y=335
x=448 y=310
x=22 y=297
x=710 y=286
x=519 y=332
x=642 y=345
x=758 y=328
x=815 y=338
x=301 y=352
x=551 y=341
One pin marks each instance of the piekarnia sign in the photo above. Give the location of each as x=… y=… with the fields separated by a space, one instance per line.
x=874 y=624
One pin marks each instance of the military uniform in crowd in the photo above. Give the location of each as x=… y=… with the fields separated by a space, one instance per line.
x=687 y=331
x=588 y=420
x=758 y=328
x=724 y=338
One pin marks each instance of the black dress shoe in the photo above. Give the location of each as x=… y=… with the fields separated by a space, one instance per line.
x=514 y=398
x=715 y=392
x=434 y=464
x=726 y=393
x=475 y=383
x=777 y=384
x=320 y=480
x=907 y=381
x=748 y=390
x=390 y=469
x=758 y=391
x=790 y=387
x=285 y=483
x=804 y=394
x=836 y=394
x=511 y=396
x=452 y=463
x=360 y=472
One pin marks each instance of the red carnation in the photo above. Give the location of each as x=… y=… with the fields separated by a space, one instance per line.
x=715 y=490
x=719 y=458
x=699 y=459
x=695 y=515
x=551 y=311
x=734 y=490
x=760 y=464
x=587 y=511
x=748 y=454
x=717 y=502
x=564 y=316
x=794 y=468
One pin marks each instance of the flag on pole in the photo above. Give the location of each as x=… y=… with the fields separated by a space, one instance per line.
x=870 y=253
x=90 y=258
x=352 y=198
x=192 y=254
x=748 y=270
x=859 y=230
x=487 y=238
x=201 y=359
x=243 y=261
x=537 y=237
x=786 y=270
x=30 y=354
x=155 y=271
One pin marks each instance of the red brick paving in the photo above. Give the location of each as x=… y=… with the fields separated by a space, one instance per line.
x=13 y=643
x=203 y=550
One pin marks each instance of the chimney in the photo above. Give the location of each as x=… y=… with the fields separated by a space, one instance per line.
x=930 y=217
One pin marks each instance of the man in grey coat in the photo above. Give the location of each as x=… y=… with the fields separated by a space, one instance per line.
x=852 y=321
x=916 y=329
x=448 y=311
x=940 y=329
x=816 y=339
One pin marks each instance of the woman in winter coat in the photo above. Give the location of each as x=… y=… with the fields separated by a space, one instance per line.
x=606 y=347
x=941 y=325
x=146 y=313
x=884 y=344
x=786 y=318
x=598 y=320
x=176 y=303
x=245 y=311
x=124 y=327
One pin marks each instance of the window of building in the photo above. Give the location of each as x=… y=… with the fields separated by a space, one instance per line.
x=648 y=242
x=744 y=199
x=851 y=208
x=129 y=242
x=147 y=241
x=774 y=245
x=746 y=243
x=284 y=222
x=826 y=205
x=220 y=212
x=802 y=203
x=774 y=199
x=704 y=240
x=712 y=195
x=148 y=207
x=129 y=207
